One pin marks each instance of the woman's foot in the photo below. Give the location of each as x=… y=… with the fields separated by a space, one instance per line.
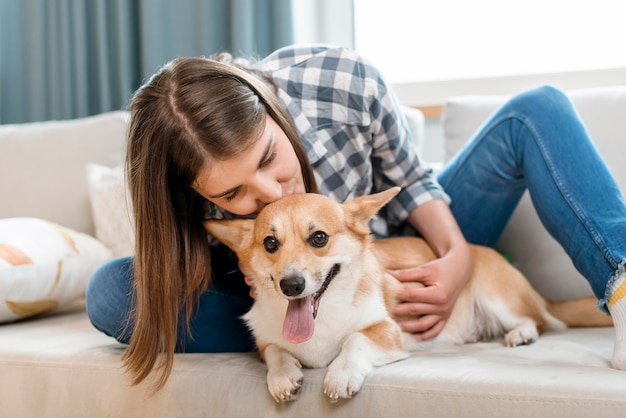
x=617 y=308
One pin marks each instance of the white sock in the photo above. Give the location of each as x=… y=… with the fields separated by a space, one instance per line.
x=617 y=307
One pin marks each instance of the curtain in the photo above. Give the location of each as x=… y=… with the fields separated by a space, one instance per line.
x=63 y=59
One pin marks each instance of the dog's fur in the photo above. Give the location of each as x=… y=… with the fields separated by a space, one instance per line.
x=306 y=252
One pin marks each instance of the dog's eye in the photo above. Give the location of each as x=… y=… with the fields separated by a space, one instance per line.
x=271 y=244
x=318 y=239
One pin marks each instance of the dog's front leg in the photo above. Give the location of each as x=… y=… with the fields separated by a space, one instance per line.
x=284 y=374
x=360 y=353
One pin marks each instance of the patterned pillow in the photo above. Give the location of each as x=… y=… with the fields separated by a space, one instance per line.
x=111 y=209
x=43 y=266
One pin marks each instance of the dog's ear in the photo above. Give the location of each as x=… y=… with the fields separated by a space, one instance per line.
x=233 y=233
x=364 y=208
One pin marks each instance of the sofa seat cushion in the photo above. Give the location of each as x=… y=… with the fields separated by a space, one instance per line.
x=60 y=366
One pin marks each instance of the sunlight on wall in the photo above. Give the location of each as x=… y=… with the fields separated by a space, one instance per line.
x=429 y=40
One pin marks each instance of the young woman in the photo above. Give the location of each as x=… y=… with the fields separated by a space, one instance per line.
x=212 y=139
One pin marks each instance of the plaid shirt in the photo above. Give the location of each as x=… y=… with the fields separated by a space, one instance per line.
x=355 y=134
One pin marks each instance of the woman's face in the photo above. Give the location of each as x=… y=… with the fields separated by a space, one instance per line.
x=264 y=173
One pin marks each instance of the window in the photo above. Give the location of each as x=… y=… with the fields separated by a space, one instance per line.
x=430 y=49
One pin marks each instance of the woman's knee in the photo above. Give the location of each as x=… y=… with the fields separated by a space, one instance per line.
x=542 y=98
x=109 y=298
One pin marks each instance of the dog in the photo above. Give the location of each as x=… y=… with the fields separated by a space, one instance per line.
x=324 y=297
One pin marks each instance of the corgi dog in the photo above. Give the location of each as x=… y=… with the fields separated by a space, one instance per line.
x=323 y=296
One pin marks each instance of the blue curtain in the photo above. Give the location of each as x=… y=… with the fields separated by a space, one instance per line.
x=63 y=59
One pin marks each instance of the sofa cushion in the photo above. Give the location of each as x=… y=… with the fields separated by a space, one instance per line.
x=43 y=266
x=111 y=208
x=42 y=166
x=531 y=248
x=60 y=366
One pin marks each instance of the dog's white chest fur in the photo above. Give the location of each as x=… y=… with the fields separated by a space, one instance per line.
x=341 y=313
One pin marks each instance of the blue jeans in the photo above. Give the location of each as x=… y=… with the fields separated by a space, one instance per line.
x=216 y=326
x=534 y=142
x=537 y=142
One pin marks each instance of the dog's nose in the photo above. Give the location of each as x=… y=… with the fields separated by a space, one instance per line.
x=292 y=286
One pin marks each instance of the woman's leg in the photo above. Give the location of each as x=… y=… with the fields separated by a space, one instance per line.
x=537 y=142
x=109 y=299
x=215 y=327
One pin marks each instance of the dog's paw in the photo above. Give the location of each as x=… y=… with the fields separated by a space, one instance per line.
x=342 y=384
x=342 y=387
x=286 y=385
x=523 y=334
x=285 y=390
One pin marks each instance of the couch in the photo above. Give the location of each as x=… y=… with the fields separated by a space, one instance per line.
x=64 y=177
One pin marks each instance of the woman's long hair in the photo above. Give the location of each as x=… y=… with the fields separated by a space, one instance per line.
x=193 y=111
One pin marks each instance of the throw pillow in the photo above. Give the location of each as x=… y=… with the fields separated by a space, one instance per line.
x=43 y=266
x=111 y=209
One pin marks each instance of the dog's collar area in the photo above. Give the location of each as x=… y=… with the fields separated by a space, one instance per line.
x=329 y=277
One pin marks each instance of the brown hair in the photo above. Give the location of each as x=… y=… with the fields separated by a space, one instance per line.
x=192 y=110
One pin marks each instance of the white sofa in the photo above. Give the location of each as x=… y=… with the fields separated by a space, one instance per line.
x=57 y=365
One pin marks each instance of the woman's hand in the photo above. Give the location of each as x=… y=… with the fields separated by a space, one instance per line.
x=425 y=310
x=428 y=308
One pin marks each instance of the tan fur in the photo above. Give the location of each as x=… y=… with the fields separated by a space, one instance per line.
x=367 y=286
x=385 y=334
x=579 y=313
x=353 y=330
x=406 y=252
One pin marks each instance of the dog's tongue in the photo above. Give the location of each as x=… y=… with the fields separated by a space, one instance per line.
x=299 y=322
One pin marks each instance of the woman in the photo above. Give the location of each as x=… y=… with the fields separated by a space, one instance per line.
x=211 y=139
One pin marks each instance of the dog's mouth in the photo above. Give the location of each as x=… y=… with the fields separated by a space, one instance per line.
x=317 y=295
x=300 y=317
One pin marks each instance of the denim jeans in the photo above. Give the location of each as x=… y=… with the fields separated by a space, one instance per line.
x=537 y=142
x=216 y=326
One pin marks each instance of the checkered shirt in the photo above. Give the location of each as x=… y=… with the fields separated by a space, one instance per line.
x=353 y=129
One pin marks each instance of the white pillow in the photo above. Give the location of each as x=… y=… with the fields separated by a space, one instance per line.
x=111 y=209
x=43 y=266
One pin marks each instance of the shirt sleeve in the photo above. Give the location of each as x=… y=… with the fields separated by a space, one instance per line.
x=394 y=157
x=353 y=127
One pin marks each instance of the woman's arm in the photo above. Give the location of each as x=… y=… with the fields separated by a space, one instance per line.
x=443 y=278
